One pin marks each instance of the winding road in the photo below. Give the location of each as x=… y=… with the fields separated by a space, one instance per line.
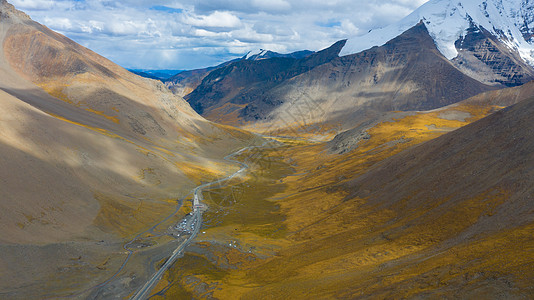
x=198 y=209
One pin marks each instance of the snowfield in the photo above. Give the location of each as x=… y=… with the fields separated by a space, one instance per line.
x=511 y=21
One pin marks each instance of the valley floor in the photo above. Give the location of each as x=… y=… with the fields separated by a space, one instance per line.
x=296 y=227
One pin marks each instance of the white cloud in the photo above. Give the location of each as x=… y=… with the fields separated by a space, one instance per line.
x=206 y=33
x=349 y=28
x=221 y=19
x=185 y=34
x=95 y=25
x=248 y=35
x=34 y=4
x=59 y=23
x=271 y=5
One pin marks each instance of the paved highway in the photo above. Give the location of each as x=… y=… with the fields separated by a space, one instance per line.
x=144 y=292
x=198 y=208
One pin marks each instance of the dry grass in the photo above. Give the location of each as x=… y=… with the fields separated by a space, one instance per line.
x=56 y=89
x=333 y=245
x=127 y=217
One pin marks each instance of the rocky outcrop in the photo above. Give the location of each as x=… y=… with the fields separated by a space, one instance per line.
x=483 y=57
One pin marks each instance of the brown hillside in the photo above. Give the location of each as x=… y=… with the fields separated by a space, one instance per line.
x=407 y=73
x=411 y=212
x=90 y=156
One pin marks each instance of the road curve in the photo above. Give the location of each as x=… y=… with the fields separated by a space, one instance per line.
x=144 y=292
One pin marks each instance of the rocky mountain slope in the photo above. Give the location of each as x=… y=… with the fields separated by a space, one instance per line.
x=476 y=46
x=89 y=152
x=492 y=37
x=226 y=92
x=419 y=209
x=407 y=73
x=483 y=57
x=185 y=82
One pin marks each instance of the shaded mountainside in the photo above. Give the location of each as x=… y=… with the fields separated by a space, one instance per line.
x=407 y=73
x=185 y=82
x=493 y=155
x=469 y=195
x=265 y=54
x=416 y=210
x=227 y=90
x=89 y=152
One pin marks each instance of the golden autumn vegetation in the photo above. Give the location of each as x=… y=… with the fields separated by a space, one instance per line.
x=99 y=166
x=293 y=229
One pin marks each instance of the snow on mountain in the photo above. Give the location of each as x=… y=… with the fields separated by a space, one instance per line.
x=265 y=54
x=511 y=21
x=256 y=54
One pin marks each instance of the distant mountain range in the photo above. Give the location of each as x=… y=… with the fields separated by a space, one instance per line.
x=442 y=53
x=155 y=74
x=265 y=54
x=398 y=164
x=88 y=152
x=185 y=82
x=188 y=79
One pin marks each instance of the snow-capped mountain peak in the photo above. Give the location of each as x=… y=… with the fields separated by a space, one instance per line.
x=266 y=54
x=511 y=21
x=256 y=54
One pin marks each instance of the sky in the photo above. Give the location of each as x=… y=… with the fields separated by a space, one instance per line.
x=190 y=34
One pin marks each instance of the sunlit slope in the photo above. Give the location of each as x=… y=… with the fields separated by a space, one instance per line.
x=90 y=83
x=153 y=137
x=334 y=242
x=90 y=156
x=466 y=198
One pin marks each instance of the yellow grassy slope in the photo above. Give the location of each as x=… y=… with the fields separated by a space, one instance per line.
x=338 y=246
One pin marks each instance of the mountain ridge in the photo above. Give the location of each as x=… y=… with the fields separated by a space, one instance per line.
x=407 y=73
x=91 y=155
x=510 y=21
x=98 y=167
x=218 y=88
